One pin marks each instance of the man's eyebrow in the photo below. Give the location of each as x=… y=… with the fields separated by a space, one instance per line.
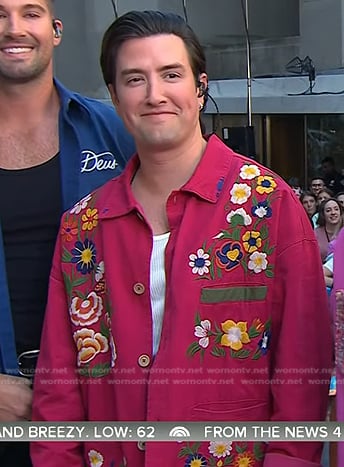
x=172 y=66
x=27 y=6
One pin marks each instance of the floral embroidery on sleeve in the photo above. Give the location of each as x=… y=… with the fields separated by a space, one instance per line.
x=85 y=282
x=231 y=338
x=245 y=239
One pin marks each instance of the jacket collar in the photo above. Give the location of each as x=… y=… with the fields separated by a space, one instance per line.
x=67 y=96
x=116 y=199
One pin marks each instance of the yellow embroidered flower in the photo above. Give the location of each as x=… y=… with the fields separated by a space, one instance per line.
x=265 y=184
x=249 y=171
x=90 y=219
x=219 y=464
x=252 y=241
x=220 y=449
x=240 y=193
x=235 y=334
x=245 y=459
x=95 y=458
x=257 y=262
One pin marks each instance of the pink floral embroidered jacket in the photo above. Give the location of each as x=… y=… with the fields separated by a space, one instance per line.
x=246 y=328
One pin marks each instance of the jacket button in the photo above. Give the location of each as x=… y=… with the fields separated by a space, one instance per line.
x=139 y=288
x=144 y=360
x=141 y=445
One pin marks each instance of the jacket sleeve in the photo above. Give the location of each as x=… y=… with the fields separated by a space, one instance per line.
x=57 y=395
x=303 y=347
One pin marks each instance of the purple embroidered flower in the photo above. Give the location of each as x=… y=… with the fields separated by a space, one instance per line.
x=261 y=209
x=229 y=255
x=264 y=342
x=84 y=255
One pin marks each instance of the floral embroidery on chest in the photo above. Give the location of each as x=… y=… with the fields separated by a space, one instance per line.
x=84 y=278
x=244 y=240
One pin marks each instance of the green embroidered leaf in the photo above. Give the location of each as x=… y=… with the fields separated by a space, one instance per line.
x=236 y=235
x=195 y=447
x=267 y=325
x=212 y=462
x=264 y=233
x=237 y=219
x=228 y=460
x=269 y=273
x=257 y=354
x=108 y=308
x=240 y=449
x=83 y=371
x=79 y=281
x=219 y=273
x=79 y=294
x=68 y=283
x=258 y=451
x=244 y=265
x=218 y=352
x=254 y=200
x=193 y=349
x=66 y=256
x=100 y=370
x=218 y=337
x=186 y=451
x=211 y=270
x=242 y=353
x=104 y=330
x=252 y=332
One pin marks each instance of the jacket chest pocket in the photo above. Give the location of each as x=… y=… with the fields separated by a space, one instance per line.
x=233 y=321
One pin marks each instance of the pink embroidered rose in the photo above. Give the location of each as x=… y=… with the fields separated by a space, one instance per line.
x=84 y=312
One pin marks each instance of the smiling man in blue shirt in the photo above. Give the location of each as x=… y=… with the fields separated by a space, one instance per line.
x=55 y=147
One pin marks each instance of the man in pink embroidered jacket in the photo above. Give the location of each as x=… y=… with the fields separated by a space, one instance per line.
x=175 y=293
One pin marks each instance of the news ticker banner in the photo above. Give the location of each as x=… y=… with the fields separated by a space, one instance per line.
x=171 y=431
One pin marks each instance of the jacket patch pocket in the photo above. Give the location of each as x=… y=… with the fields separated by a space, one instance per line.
x=233 y=294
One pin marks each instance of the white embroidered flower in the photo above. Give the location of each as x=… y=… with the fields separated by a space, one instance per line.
x=220 y=449
x=95 y=458
x=240 y=193
x=249 y=171
x=261 y=211
x=99 y=271
x=86 y=311
x=257 y=262
x=199 y=262
x=82 y=204
x=246 y=219
x=202 y=332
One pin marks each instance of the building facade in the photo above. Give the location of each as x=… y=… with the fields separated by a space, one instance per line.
x=297 y=120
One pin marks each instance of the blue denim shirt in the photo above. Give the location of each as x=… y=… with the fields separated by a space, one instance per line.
x=94 y=147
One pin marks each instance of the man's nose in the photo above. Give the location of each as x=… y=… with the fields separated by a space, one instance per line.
x=155 y=93
x=14 y=26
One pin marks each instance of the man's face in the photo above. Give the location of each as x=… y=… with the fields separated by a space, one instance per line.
x=155 y=91
x=27 y=39
x=317 y=185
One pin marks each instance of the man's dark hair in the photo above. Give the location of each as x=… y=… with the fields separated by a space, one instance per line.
x=139 y=24
x=316 y=177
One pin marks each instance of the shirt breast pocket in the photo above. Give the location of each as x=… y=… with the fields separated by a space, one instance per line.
x=234 y=320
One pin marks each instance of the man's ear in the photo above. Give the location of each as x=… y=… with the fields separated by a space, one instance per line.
x=57 y=30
